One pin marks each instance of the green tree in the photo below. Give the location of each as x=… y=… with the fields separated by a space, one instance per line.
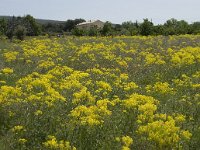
x=158 y=30
x=107 y=29
x=3 y=26
x=78 y=32
x=175 y=27
x=195 y=28
x=183 y=27
x=71 y=24
x=146 y=28
x=11 y=27
x=20 y=32
x=53 y=28
x=32 y=27
x=124 y=31
x=170 y=27
x=130 y=27
x=93 y=31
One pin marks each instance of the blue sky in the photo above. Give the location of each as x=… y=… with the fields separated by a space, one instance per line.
x=115 y=11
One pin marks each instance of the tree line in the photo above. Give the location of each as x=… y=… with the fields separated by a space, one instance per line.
x=28 y=26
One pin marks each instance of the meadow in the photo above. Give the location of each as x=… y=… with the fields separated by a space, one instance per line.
x=100 y=93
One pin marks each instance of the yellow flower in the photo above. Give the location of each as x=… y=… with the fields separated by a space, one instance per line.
x=125 y=148
x=180 y=118
x=124 y=76
x=11 y=56
x=38 y=112
x=127 y=140
x=186 y=56
x=53 y=143
x=186 y=135
x=104 y=85
x=83 y=95
x=93 y=115
x=45 y=64
x=2 y=82
x=7 y=70
x=164 y=133
x=160 y=87
x=22 y=141
x=17 y=128
x=117 y=139
x=130 y=86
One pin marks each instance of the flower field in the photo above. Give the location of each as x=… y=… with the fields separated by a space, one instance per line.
x=103 y=93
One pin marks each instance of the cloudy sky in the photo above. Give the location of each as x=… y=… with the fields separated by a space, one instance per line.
x=115 y=11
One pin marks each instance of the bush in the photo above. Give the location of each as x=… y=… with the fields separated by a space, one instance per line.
x=20 y=32
x=78 y=32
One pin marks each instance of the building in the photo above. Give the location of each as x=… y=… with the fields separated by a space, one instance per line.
x=90 y=24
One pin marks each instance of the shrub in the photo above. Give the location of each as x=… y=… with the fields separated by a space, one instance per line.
x=20 y=32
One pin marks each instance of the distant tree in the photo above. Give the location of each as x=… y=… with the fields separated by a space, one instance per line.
x=131 y=27
x=32 y=27
x=182 y=27
x=170 y=27
x=195 y=28
x=117 y=27
x=71 y=24
x=10 y=34
x=171 y=23
x=146 y=28
x=20 y=32
x=60 y=27
x=48 y=27
x=175 y=27
x=53 y=28
x=3 y=26
x=77 y=21
x=158 y=30
x=78 y=32
x=11 y=27
x=94 y=31
x=124 y=31
x=107 y=29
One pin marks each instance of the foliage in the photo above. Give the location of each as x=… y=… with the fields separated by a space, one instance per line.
x=93 y=32
x=10 y=28
x=128 y=28
x=32 y=27
x=195 y=27
x=21 y=26
x=174 y=27
x=71 y=24
x=146 y=28
x=78 y=32
x=3 y=25
x=131 y=27
x=107 y=29
x=20 y=32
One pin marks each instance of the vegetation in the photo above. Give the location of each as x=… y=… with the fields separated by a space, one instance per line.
x=122 y=92
x=20 y=32
x=37 y=27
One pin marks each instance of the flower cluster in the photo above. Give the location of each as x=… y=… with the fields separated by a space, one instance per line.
x=101 y=93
